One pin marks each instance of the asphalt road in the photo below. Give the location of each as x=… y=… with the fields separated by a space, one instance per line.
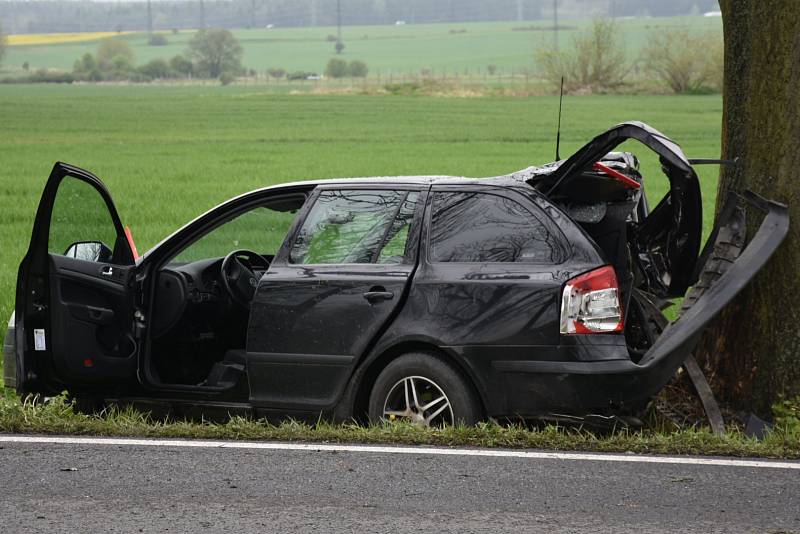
x=46 y=487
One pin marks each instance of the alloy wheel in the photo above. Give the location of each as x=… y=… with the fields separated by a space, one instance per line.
x=419 y=400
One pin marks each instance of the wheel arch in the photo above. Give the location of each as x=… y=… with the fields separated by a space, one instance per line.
x=365 y=376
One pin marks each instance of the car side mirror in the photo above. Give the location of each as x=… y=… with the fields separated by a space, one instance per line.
x=89 y=251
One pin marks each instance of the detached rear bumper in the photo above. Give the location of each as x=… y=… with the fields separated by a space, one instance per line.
x=598 y=385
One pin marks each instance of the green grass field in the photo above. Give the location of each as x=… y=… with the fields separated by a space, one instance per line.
x=170 y=153
x=396 y=50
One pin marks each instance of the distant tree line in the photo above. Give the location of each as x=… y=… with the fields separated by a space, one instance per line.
x=339 y=68
x=212 y=53
x=40 y=16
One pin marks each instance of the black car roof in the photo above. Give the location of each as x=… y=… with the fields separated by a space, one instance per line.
x=406 y=180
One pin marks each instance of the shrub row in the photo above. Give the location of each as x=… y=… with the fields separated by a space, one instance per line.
x=339 y=68
x=596 y=60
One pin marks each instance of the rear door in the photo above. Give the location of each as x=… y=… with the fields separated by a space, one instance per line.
x=336 y=282
x=492 y=274
x=74 y=303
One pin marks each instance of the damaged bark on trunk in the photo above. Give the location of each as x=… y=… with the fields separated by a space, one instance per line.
x=752 y=351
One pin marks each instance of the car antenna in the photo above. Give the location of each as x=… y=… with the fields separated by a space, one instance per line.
x=558 y=129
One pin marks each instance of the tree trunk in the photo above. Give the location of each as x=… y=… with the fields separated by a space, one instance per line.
x=752 y=352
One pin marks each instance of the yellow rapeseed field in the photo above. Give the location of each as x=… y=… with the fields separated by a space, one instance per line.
x=57 y=38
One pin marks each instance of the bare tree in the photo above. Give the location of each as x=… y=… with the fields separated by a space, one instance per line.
x=596 y=59
x=686 y=62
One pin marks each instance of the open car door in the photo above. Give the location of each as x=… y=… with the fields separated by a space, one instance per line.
x=667 y=241
x=74 y=305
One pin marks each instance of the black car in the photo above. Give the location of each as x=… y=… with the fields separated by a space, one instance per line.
x=434 y=299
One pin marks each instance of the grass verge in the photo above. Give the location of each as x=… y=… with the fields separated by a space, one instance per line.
x=58 y=417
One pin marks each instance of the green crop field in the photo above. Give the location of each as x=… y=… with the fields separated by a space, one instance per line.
x=394 y=50
x=170 y=153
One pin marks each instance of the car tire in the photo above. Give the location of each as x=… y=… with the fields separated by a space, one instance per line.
x=431 y=378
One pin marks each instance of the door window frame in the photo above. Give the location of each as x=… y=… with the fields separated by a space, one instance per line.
x=414 y=231
x=121 y=252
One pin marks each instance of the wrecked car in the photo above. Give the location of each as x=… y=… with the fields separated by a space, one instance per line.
x=430 y=299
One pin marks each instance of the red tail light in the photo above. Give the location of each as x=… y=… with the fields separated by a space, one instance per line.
x=590 y=303
x=630 y=183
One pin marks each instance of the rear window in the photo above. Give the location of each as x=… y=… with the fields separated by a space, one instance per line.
x=484 y=227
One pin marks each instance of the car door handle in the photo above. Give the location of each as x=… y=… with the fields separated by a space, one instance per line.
x=376 y=294
x=92 y=314
x=100 y=315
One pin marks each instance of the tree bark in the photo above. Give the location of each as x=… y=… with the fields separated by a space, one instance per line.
x=752 y=352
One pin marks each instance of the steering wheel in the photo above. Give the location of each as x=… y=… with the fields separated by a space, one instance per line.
x=238 y=277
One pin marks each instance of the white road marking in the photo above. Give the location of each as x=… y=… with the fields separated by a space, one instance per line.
x=437 y=451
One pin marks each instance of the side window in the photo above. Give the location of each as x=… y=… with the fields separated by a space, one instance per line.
x=80 y=224
x=356 y=226
x=483 y=227
x=261 y=230
x=395 y=242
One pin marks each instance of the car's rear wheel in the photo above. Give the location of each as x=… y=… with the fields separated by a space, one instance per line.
x=423 y=389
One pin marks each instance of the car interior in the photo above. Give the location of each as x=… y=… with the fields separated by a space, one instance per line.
x=201 y=309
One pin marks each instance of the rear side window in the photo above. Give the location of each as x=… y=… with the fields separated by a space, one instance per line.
x=483 y=227
x=357 y=226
